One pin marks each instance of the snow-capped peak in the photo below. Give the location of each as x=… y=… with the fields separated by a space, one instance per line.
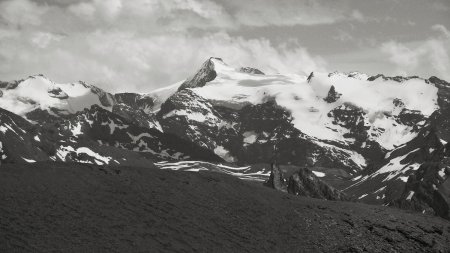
x=39 y=92
x=230 y=87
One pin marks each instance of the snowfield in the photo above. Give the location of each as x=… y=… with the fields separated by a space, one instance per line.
x=305 y=100
x=37 y=92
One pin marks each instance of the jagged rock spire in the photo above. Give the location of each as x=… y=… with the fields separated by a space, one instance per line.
x=310 y=77
x=205 y=74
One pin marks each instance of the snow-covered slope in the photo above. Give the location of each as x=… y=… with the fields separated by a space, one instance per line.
x=38 y=93
x=347 y=118
x=160 y=95
x=305 y=100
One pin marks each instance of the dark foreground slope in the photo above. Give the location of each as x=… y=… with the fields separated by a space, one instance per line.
x=84 y=208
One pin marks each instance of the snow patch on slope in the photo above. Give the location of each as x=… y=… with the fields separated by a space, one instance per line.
x=63 y=151
x=224 y=154
x=245 y=173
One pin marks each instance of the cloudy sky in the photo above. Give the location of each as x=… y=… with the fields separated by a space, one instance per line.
x=140 y=45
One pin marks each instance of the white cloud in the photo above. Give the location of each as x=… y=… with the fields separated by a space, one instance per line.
x=357 y=15
x=343 y=36
x=442 y=29
x=108 y=8
x=401 y=55
x=83 y=10
x=136 y=45
x=21 y=12
x=143 y=44
x=43 y=39
x=429 y=56
x=123 y=61
x=292 y=12
x=182 y=15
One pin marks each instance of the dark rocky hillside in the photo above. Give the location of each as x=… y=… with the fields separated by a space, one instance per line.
x=63 y=207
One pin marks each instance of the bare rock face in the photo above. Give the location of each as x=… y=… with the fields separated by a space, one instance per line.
x=20 y=140
x=57 y=92
x=276 y=179
x=393 y=78
x=2 y=153
x=305 y=183
x=443 y=92
x=250 y=70
x=106 y=99
x=332 y=96
x=10 y=85
x=205 y=74
x=310 y=77
x=135 y=101
x=136 y=116
x=428 y=190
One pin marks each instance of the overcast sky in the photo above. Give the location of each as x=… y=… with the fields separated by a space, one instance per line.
x=140 y=45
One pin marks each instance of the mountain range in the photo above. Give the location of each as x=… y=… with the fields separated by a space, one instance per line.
x=342 y=136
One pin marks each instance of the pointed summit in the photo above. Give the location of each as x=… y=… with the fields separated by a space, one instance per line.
x=205 y=74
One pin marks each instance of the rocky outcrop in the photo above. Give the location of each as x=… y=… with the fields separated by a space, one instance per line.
x=303 y=182
x=106 y=99
x=352 y=118
x=57 y=92
x=250 y=70
x=136 y=116
x=10 y=85
x=276 y=179
x=205 y=74
x=135 y=101
x=392 y=78
x=310 y=77
x=43 y=116
x=22 y=141
x=333 y=95
x=428 y=190
x=443 y=93
x=410 y=118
